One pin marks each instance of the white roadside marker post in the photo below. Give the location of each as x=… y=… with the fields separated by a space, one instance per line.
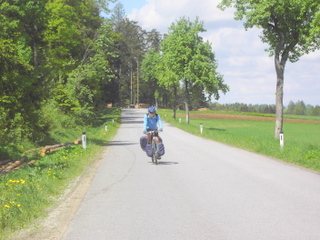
x=84 y=140
x=281 y=140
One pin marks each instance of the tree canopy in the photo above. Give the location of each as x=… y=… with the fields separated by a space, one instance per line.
x=290 y=28
x=186 y=59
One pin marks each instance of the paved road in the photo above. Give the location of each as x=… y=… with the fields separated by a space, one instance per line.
x=200 y=190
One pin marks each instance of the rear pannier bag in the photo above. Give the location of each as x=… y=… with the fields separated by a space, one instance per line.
x=143 y=144
x=161 y=148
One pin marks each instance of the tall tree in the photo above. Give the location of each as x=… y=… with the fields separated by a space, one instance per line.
x=131 y=48
x=150 y=90
x=153 y=40
x=90 y=85
x=70 y=33
x=291 y=28
x=187 y=59
x=41 y=43
x=20 y=31
x=117 y=15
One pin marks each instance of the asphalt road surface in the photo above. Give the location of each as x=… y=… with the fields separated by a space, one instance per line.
x=200 y=189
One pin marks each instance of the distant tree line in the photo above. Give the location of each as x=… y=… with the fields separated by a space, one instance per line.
x=298 y=108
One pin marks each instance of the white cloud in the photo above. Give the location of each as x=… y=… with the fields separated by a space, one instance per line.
x=246 y=67
x=160 y=14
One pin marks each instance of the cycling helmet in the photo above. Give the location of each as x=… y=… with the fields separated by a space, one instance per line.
x=151 y=109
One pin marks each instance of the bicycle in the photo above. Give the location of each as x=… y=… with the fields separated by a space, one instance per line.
x=155 y=156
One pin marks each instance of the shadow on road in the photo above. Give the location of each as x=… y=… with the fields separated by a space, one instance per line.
x=166 y=163
x=112 y=143
x=130 y=120
x=120 y=143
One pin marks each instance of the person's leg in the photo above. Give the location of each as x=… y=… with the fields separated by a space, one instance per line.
x=160 y=147
x=149 y=138
x=148 y=146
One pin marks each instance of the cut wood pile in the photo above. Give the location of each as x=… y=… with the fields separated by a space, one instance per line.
x=7 y=166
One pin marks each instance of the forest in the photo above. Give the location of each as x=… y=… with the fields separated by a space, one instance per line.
x=63 y=60
x=60 y=62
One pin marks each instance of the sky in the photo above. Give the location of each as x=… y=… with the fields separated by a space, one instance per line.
x=242 y=60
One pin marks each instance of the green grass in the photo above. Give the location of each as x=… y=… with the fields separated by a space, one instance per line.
x=303 y=117
x=26 y=194
x=301 y=140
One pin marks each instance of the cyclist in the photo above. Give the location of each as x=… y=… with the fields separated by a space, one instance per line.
x=151 y=122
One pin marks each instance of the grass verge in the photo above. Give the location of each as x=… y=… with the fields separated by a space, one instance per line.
x=301 y=140
x=27 y=193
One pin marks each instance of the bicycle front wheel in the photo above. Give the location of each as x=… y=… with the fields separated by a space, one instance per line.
x=155 y=158
x=154 y=152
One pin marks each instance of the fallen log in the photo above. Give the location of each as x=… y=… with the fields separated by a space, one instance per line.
x=2 y=167
x=77 y=141
x=48 y=149
x=4 y=162
x=35 y=149
x=51 y=148
x=8 y=165
x=15 y=164
x=32 y=162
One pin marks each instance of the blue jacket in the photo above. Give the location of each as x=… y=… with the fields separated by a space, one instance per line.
x=151 y=123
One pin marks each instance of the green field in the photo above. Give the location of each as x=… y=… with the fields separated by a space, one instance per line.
x=301 y=140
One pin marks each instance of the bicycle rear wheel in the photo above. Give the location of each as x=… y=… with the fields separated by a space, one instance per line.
x=155 y=158
x=154 y=152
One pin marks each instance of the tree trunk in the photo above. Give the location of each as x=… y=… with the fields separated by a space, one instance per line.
x=156 y=102
x=35 y=55
x=131 y=80
x=279 y=107
x=279 y=97
x=138 y=82
x=187 y=102
x=119 y=86
x=174 y=102
x=187 y=112
x=35 y=51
